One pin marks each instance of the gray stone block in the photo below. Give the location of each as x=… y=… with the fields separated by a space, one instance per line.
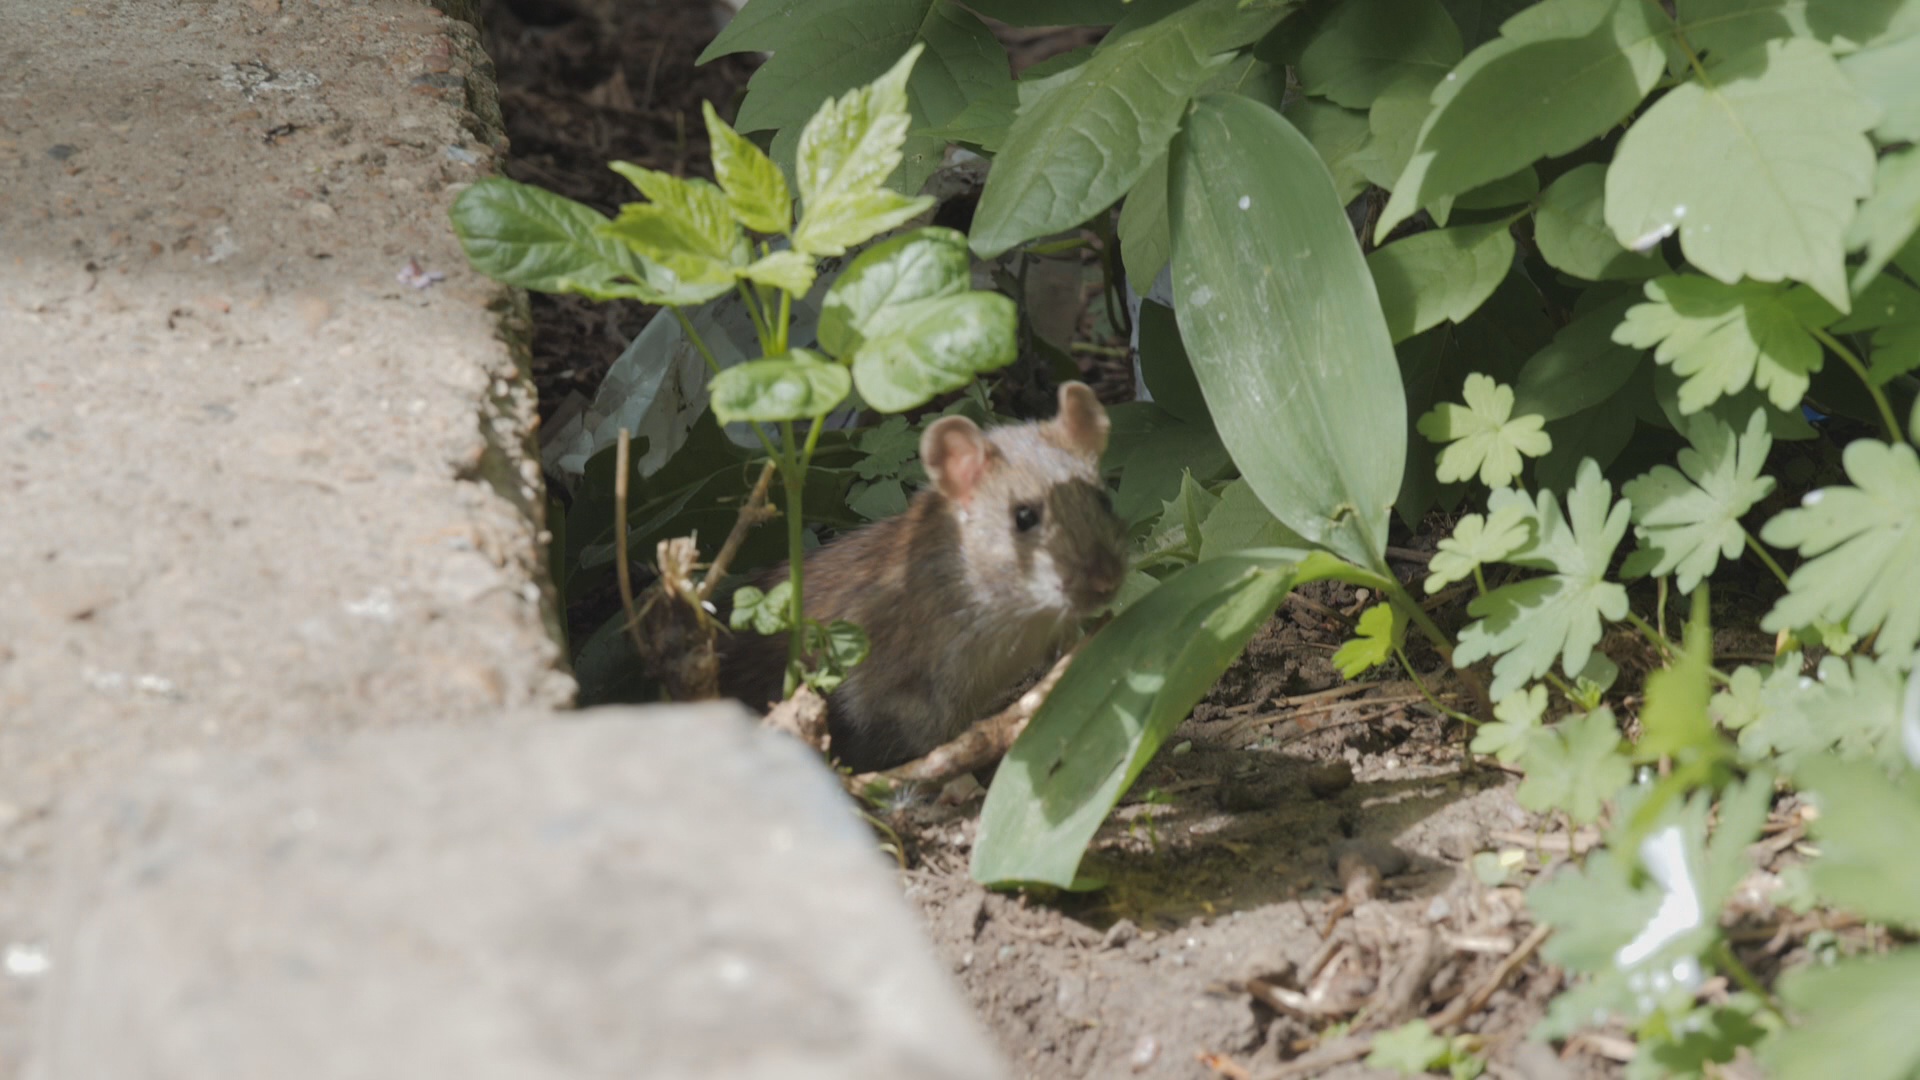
x=661 y=892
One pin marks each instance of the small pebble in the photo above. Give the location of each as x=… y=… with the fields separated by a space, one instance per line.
x=1144 y=1052
x=1119 y=934
x=1329 y=779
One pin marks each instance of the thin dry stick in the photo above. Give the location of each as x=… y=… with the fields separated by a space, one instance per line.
x=1455 y=1014
x=753 y=513
x=620 y=471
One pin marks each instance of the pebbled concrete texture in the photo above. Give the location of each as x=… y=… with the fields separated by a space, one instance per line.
x=269 y=496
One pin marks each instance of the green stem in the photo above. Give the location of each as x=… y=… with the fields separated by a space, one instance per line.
x=1879 y=399
x=1442 y=644
x=786 y=320
x=1724 y=954
x=1660 y=609
x=795 y=480
x=1479 y=579
x=686 y=327
x=761 y=328
x=1658 y=639
x=1428 y=694
x=1754 y=546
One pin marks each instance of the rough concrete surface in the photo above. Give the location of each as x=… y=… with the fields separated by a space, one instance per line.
x=640 y=888
x=266 y=464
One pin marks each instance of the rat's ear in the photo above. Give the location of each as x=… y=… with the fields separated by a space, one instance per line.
x=1082 y=421
x=956 y=454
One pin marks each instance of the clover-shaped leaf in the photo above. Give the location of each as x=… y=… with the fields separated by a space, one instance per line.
x=1867 y=542
x=1381 y=630
x=1485 y=437
x=1575 y=766
x=1688 y=523
x=1516 y=727
x=1720 y=338
x=1477 y=541
x=1530 y=623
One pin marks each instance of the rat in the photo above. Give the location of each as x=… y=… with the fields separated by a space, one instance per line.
x=984 y=577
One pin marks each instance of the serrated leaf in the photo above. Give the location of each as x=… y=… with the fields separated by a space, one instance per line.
x=686 y=227
x=1530 y=623
x=1889 y=217
x=1580 y=368
x=1483 y=437
x=845 y=154
x=924 y=264
x=792 y=386
x=1442 y=275
x=1758 y=169
x=756 y=188
x=1477 y=541
x=1674 y=722
x=1575 y=767
x=1883 y=75
x=1562 y=73
x=1571 y=229
x=1867 y=542
x=1180 y=517
x=1858 y=1011
x=1364 y=45
x=1380 y=631
x=533 y=239
x=1851 y=710
x=789 y=271
x=1689 y=519
x=915 y=351
x=1516 y=727
x=1722 y=337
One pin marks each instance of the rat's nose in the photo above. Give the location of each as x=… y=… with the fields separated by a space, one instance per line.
x=1104 y=572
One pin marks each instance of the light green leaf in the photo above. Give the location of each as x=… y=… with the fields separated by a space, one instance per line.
x=756 y=189
x=1865 y=830
x=786 y=270
x=1410 y=1049
x=1582 y=367
x=1339 y=136
x=1119 y=700
x=845 y=155
x=1859 y=1011
x=1883 y=75
x=1442 y=275
x=1516 y=728
x=1363 y=45
x=1851 y=709
x=1722 y=337
x=1888 y=218
x=1571 y=229
x=1283 y=327
x=1758 y=169
x=1674 y=722
x=1575 y=767
x=687 y=227
x=533 y=239
x=1180 y=517
x=762 y=612
x=1529 y=623
x=916 y=351
x=1867 y=542
x=1688 y=523
x=1096 y=132
x=1484 y=437
x=793 y=386
x=1477 y=541
x=1146 y=242
x=924 y=264
x=1562 y=73
x=1240 y=521
x=1381 y=630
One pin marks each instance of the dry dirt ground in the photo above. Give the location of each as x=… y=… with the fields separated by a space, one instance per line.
x=1304 y=840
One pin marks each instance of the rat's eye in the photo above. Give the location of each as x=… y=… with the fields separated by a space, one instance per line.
x=1026 y=516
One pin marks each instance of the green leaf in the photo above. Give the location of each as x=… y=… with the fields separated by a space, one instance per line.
x=925 y=264
x=833 y=648
x=1582 y=367
x=1381 y=630
x=1865 y=829
x=1123 y=695
x=789 y=271
x=1339 y=136
x=1516 y=728
x=1364 y=45
x=1410 y=1049
x=793 y=386
x=756 y=189
x=1528 y=623
x=1852 y=709
x=1722 y=337
x=533 y=239
x=1095 y=133
x=1283 y=326
x=1240 y=521
x=845 y=155
x=1688 y=523
x=1858 y=1011
x=1571 y=229
x=1890 y=215
x=1165 y=367
x=1883 y=75
x=762 y=612
x=1674 y=722
x=1562 y=73
x=687 y=227
x=1145 y=240
x=913 y=352
x=1052 y=12
x=1480 y=20
x=1477 y=541
x=1393 y=125
x=1758 y=169
x=1151 y=449
x=1575 y=767
x=1484 y=437
x=1181 y=516
x=1442 y=275
x=1867 y=542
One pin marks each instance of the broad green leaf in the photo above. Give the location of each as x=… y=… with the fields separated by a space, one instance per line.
x=686 y=227
x=924 y=264
x=1380 y=631
x=1146 y=242
x=1865 y=830
x=1859 y=1011
x=756 y=189
x=1582 y=367
x=1600 y=434
x=786 y=270
x=1477 y=541
x=1688 y=523
x=1165 y=367
x=845 y=155
x=1507 y=191
x=1562 y=73
x=1052 y=12
x=1442 y=275
x=1484 y=437
x=1883 y=75
x=1339 y=136
x=1890 y=215
x=1123 y=695
x=1479 y=20
x=793 y=386
x=1097 y=131
x=1722 y=337
x=1758 y=169
x=1863 y=547
x=533 y=239
x=1575 y=767
x=1393 y=126
x=1240 y=521
x=1283 y=326
x=1516 y=728
x=1530 y=623
x=1150 y=449
x=1363 y=45
x=915 y=351
x=1727 y=26
x=1674 y=721
x=1571 y=229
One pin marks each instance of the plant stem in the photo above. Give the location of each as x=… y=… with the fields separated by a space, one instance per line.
x=761 y=328
x=1660 y=610
x=795 y=480
x=1659 y=640
x=1421 y=685
x=686 y=327
x=621 y=469
x=1724 y=954
x=1442 y=644
x=1479 y=580
x=1754 y=546
x=1879 y=399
